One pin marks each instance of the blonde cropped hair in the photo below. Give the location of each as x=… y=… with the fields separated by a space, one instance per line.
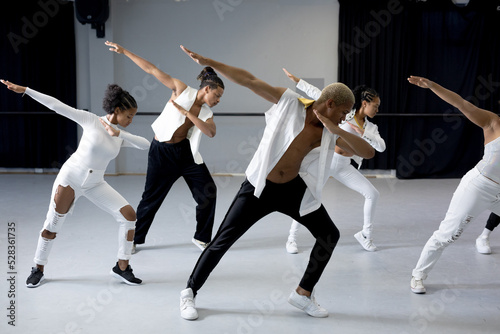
x=338 y=92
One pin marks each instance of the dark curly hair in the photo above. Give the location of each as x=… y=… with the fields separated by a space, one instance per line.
x=209 y=78
x=363 y=93
x=115 y=96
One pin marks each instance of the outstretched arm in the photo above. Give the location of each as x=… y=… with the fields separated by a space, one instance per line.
x=14 y=87
x=79 y=116
x=291 y=76
x=240 y=76
x=174 y=84
x=304 y=86
x=482 y=118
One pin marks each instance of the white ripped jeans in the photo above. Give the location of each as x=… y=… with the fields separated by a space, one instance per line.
x=89 y=183
x=342 y=170
x=474 y=195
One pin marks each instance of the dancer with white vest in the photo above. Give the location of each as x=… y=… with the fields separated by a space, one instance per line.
x=367 y=102
x=477 y=192
x=174 y=149
x=83 y=175
x=300 y=135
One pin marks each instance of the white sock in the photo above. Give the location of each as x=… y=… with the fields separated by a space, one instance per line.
x=486 y=233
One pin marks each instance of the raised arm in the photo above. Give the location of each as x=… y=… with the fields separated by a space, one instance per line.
x=79 y=116
x=174 y=84
x=485 y=119
x=304 y=86
x=13 y=87
x=240 y=77
x=291 y=76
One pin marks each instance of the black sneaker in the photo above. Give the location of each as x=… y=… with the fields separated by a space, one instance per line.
x=35 y=278
x=126 y=275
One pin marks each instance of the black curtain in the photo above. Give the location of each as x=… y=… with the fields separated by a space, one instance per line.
x=381 y=43
x=38 y=51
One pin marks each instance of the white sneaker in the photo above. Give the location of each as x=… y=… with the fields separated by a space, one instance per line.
x=188 y=309
x=200 y=244
x=366 y=243
x=134 y=249
x=307 y=304
x=291 y=246
x=417 y=285
x=483 y=245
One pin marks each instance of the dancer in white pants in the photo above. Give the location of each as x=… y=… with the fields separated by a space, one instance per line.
x=366 y=105
x=83 y=175
x=478 y=191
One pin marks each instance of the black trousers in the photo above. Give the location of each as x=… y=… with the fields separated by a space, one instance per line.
x=166 y=164
x=247 y=209
x=493 y=221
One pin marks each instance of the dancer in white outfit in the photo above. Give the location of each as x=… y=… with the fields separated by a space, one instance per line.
x=367 y=102
x=82 y=175
x=477 y=192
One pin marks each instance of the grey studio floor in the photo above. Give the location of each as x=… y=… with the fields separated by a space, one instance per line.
x=246 y=293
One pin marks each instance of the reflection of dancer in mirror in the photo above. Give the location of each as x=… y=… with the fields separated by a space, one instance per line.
x=483 y=240
x=82 y=175
x=300 y=134
x=478 y=190
x=174 y=150
x=367 y=102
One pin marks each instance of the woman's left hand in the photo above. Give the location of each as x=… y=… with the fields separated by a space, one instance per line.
x=112 y=131
x=357 y=129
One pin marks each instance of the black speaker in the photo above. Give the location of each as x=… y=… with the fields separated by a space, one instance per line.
x=95 y=12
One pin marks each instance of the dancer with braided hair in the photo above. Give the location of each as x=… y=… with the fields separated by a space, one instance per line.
x=367 y=102
x=83 y=175
x=174 y=149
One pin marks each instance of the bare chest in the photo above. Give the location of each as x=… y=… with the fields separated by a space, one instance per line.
x=289 y=165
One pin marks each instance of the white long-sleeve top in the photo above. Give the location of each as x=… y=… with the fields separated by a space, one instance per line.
x=370 y=135
x=97 y=147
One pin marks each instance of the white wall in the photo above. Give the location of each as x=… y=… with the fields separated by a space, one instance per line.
x=261 y=36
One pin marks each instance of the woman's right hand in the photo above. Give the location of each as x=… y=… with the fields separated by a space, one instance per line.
x=13 y=87
x=196 y=57
x=420 y=81
x=291 y=76
x=114 y=47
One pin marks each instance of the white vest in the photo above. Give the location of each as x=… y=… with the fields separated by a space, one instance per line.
x=171 y=119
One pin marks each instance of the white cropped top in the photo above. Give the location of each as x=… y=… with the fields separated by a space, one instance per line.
x=489 y=165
